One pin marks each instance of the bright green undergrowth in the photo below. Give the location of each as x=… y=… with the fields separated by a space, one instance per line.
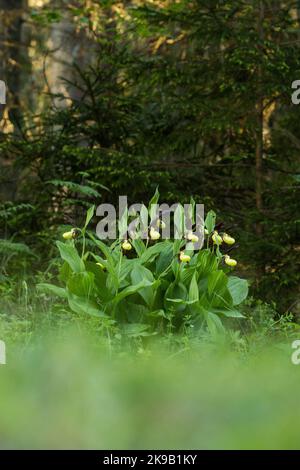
x=83 y=385
x=79 y=392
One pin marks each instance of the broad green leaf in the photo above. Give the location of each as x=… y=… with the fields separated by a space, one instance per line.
x=186 y=274
x=110 y=260
x=152 y=205
x=123 y=224
x=218 y=293
x=231 y=313
x=191 y=211
x=214 y=323
x=217 y=282
x=194 y=291
x=181 y=301
x=81 y=284
x=104 y=248
x=139 y=274
x=139 y=246
x=238 y=289
x=84 y=306
x=206 y=263
x=177 y=245
x=89 y=216
x=164 y=260
x=210 y=221
x=176 y=268
x=176 y=294
x=179 y=222
x=100 y=279
x=132 y=312
x=126 y=266
x=151 y=253
x=64 y=272
x=71 y=256
x=129 y=291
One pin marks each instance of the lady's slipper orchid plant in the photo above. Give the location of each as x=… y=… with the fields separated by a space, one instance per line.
x=159 y=284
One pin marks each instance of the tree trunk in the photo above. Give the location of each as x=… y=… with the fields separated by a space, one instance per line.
x=11 y=12
x=11 y=19
x=259 y=123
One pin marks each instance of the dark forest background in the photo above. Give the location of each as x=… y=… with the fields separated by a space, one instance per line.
x=109 y=98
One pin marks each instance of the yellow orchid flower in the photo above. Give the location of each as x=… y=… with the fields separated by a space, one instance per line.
x=230 y=261
x=160 y=224
x=216 y=238
x=192 y=237
x=154 y=234
x=126 y=245
x=228 y=239
x=184 y=258
x=68 y=235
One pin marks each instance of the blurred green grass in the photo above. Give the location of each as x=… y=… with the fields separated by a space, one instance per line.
x=67 y=391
